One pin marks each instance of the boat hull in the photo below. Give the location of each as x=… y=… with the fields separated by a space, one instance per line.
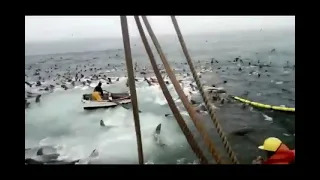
x=91 y=105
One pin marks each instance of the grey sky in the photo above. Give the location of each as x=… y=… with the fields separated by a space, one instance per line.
x=54 y=28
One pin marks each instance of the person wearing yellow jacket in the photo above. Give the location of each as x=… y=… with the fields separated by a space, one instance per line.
x=97 y=94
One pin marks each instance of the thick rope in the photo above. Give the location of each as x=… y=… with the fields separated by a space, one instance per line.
x=230 y=152
x=134 y=100
x=182 y=96
x=193 y=144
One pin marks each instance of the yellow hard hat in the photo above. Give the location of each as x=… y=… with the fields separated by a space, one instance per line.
x=271 y=144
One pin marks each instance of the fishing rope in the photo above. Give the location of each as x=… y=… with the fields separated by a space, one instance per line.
x=226 y=145
x=132 y=86
x=190 y=139
x=182 y=96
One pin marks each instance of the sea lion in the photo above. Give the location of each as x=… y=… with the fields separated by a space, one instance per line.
x=38 y=83
x=242 y=132
x=109 y=80
x=27 y=83
x=64 y=87
x=158 y=129
x=38 y=98
x=156 y=136
x=26 y=104
x=102 y=123
x=39 y=159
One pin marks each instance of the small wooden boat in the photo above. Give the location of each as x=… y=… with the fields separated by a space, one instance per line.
x=117 y=99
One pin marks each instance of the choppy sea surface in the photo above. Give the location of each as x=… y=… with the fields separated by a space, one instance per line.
x=60 y=120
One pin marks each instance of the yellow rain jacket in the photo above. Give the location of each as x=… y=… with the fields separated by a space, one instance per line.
x=96 y=96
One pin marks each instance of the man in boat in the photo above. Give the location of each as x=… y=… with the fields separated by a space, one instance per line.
x=97 y=94
x=276 y=151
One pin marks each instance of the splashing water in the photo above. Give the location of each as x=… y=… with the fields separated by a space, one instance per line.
x=60 y=120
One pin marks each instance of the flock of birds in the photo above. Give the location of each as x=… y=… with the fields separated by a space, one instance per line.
x=88 y=75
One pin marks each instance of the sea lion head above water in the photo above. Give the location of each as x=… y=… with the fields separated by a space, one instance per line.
x=102 y=123
x=38 y=98
x=26 y=104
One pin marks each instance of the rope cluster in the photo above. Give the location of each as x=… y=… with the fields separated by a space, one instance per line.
x=186 y=131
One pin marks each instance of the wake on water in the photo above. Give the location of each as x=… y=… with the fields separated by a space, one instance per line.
x=59 y=120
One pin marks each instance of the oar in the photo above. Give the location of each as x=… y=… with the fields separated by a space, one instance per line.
x=122 y=105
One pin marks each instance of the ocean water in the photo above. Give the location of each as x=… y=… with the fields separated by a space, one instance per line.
x=60 y=120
